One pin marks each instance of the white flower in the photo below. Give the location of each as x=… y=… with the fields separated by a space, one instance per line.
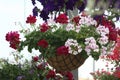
x=75 y=53
x=70 y=27
x=103 y=40
x=91 y=45
x=77 y=29
x=73 y=46
x=102 y=30
x=51 y=21
x=79 y=49
x=87 y=21
x=90 y=40
x=88 y=50
x=103 y=50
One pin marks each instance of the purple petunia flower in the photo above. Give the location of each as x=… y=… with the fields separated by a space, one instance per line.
x=44 y=14
x=33 y=2
x=35 y=11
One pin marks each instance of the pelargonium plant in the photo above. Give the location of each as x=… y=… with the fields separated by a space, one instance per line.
x=112 y=73
x=115 y=56
x=34 y=69
x=106 y=75
x=62 y=36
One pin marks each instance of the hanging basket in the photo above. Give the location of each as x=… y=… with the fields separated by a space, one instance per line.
x=66 y=62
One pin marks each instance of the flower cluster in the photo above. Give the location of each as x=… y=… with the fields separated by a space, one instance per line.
x=112 y=73
x=106 y=75
x=114 y=57
x=30 y=70
x=13 y=38
x=81 y=35
x=53 y=6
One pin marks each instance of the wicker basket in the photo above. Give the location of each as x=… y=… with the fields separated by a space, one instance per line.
x=66 y=62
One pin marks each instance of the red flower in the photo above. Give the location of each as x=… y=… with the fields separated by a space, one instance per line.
x=13 y=45
x=41 y=67
x=117 y=72
x=51 y=74
x=13 y=38
x=116 y=51
x=111 y=26
x=76 y=20
x=62 y=18
x=63 y=50
x=69 y=75
x=31 y=19
x=119 y=32
x=43 y=43
x=36 y=58
x=44 y=27
x=113 y=35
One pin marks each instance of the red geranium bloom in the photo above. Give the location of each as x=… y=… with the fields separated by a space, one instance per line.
x=36 y=58
x=111 y=26
x=13 y=38
x=44 y=27
x=63 y=50
x=113 y=35
x=51 y=74
x=76 y=20
x=116 y=51
x=31 y=19
x=69 y=75
x=119 y=32
x=43 y=43
x=62 y=18
x=41 y=67
x=117 y=72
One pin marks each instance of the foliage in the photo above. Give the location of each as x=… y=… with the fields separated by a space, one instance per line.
x=114 y=59
x=62 y=34
x=104 y=75
x=34 y=69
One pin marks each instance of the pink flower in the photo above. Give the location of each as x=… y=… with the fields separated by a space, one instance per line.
x=13 y=38
x=44 y=27
x=62 y=18
x=63 y=50
x=36 y=58
x=31 y=19
x=51 y=74
x=43 y=43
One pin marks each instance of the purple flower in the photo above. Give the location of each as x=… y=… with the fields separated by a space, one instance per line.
x=50 y=6
x=70 y=4
x=82 y=7
x=35 y=11
x=44 y=14
x=33 y=2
